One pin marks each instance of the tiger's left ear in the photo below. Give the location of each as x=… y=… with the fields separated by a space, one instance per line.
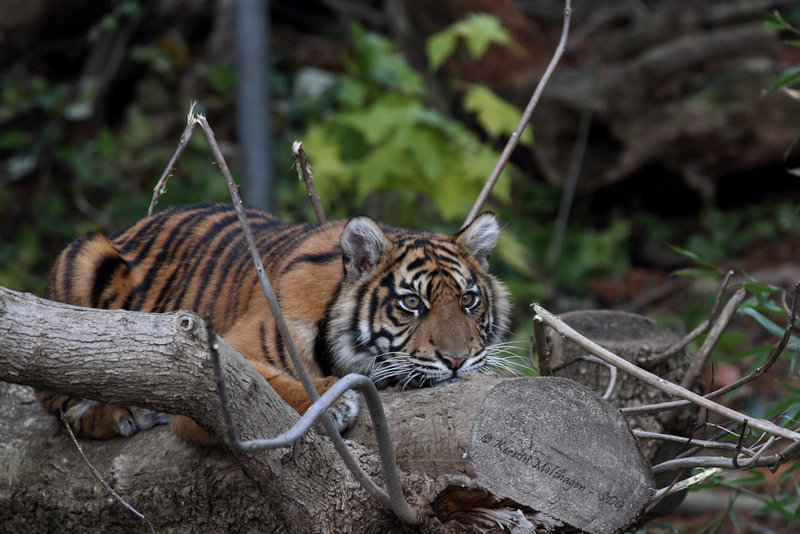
x=363 y=242
x=480 y=237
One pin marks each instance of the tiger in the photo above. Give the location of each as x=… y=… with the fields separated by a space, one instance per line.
x=402 y=307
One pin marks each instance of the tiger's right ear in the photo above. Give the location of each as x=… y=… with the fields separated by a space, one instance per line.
x=363 y=242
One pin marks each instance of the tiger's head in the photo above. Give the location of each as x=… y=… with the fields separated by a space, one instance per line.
x=416 y=308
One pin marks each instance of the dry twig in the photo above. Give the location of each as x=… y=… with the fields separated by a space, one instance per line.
x=542 y=351
x=161 y=186
x=648 y=361
x=513 y=141
x=305 y=173
x=98 y=476
x=711 y=340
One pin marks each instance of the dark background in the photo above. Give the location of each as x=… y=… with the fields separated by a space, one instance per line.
x=680 y=143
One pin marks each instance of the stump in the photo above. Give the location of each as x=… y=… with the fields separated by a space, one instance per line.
x=544 y=444
x=631 y=336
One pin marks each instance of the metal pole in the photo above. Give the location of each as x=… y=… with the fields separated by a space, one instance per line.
x=253 y=101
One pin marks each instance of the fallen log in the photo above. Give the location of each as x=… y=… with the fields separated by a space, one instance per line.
x=545 y=451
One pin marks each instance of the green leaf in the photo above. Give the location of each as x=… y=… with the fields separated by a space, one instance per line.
x=350 y=93
x=477 y=31
x=771 y=327
x=695 y=258
x=753 y=478
x=375 y=56
x=332 y=173
x=439 y=47
x=495 y=115
x=761 y=287
x=382 y=119
x=427 y=147
x=789 y=78
x=775 y=25
x=776 y=22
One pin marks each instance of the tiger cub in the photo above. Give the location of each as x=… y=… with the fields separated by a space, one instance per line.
x=401 y=307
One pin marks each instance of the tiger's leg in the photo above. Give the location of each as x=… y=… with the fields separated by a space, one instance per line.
x=92 y=419
x=344 y=411
x=74 y=280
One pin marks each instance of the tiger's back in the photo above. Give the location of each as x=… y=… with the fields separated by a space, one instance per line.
x=196 y=258
x=357 y=297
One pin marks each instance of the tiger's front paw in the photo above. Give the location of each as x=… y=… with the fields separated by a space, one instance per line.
x=344 y=411
x=130 y=420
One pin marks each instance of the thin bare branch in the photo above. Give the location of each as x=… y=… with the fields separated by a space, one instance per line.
x=759 y=371
x=700 y=443
x=648 y=361
x=649 y=378
x=711 y=340
x=699 y=478
x=305 y=173
x=570 y=184
x=98 y=476
x=161 y=186
x=718 y=461
x=612 y=379
x=513 y=141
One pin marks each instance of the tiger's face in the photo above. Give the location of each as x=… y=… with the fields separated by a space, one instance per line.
x=416 y=309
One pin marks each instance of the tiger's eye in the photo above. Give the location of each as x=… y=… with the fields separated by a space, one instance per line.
x=411 y=302
x=469 y=299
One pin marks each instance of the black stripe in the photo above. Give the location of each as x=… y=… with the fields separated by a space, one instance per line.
x=234 y=262
x=182 y=276
x=416 y=264
x=64 y=283
x=181 y=227
x=324 y=257
x=103 y=275
x=322 y=352
x=283 y=352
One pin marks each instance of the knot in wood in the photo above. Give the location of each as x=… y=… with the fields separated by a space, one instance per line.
x=186 y=322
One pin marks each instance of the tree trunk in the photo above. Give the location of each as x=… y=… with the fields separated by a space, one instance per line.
x=475 y=449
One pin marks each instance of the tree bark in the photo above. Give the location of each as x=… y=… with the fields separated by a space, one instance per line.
x=575 y=462
x=160 y=361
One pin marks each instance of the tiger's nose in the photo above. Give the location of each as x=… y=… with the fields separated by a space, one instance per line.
x=452 y=361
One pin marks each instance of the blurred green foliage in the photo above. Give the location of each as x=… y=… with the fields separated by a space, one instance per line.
x=382 y=146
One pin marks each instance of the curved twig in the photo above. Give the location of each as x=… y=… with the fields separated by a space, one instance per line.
x=513 y=141
x=612 y=380
x=394 y=499
x=711 y=340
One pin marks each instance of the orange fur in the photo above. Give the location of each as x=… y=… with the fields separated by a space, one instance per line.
x=340 y=286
